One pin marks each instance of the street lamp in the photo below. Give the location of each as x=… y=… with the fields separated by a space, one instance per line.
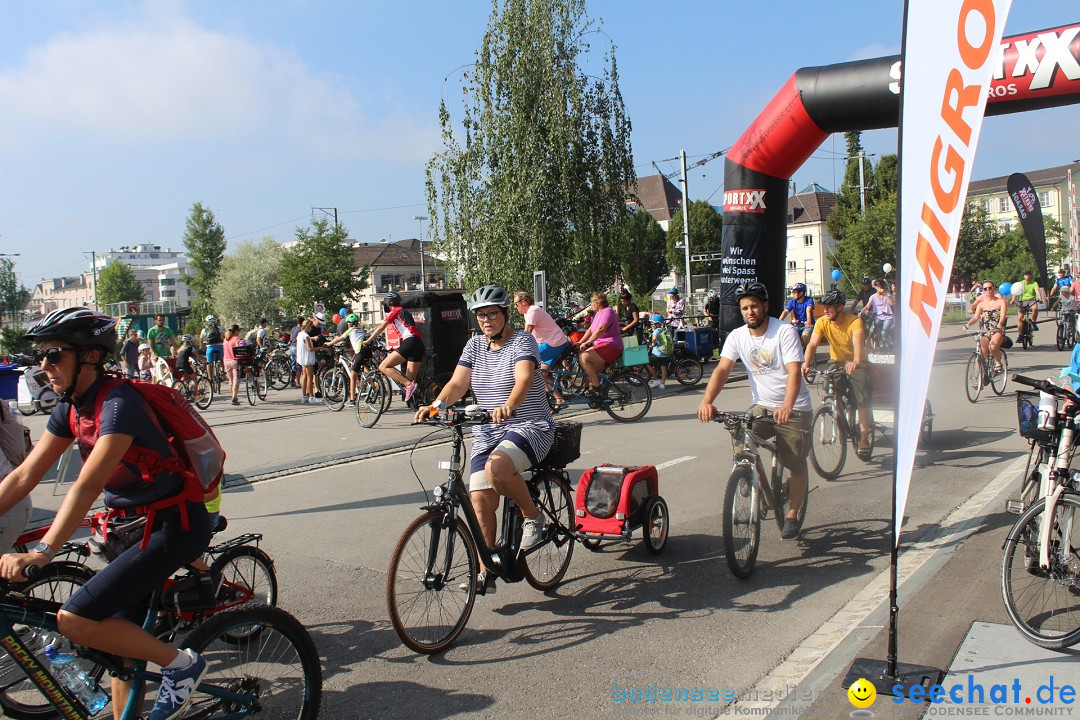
x=423 y=276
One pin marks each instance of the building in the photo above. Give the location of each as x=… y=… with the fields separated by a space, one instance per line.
x=659 y=197
x=59 y=293
x=394 y=266
x=160 y=272
x=809 y=243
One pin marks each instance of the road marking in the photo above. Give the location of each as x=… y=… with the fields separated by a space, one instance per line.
x=676 y=461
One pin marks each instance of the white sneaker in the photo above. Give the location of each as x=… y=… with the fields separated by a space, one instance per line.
x=532 y=532
x=654 y=383
x=314 y=401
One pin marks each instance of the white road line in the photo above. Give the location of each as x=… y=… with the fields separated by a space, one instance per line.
x=676 y=461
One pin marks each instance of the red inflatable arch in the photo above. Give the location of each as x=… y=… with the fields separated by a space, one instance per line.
x=1037 y=70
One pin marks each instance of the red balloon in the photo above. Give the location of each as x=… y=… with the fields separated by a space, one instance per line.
x=336 y=318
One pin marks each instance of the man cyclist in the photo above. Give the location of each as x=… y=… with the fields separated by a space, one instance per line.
x=551 y=340
x=772 y=355
x=213 y=337
x=847 y=349
x=801 y=310
x=502 y=366
x=863 y=296
x=1028 y=301
x=105 y=612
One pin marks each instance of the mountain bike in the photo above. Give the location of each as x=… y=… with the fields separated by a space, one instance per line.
x=981 y=371
x=278 y=366
x=196 y=389
x=750 y=493
x=1066 y=329
x=622 y=394
x=1040 y=562
x=1025 y=335
x=835 y=422
x=372 y=397
x=433 y=570
x=336 y=380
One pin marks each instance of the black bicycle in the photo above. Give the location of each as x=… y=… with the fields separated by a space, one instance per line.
x=835 y=422
x=432 y=575
x=1066 y=329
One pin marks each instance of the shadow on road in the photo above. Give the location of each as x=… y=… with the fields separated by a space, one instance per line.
x=400 y=699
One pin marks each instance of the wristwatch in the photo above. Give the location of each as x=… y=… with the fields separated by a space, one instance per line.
x=44 y=549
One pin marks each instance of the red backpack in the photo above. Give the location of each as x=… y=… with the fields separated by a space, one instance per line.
x=197 y=454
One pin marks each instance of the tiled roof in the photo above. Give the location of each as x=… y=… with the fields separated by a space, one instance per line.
x=1047 y=176
x=811 y=207
x=658 y=196
x=400 y=253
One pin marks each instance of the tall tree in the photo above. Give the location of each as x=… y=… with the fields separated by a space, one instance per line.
x=247 y=284
x=13 y=295
x=320 y=268
x=868 y=244
x=642 y=261
x=849 y=208
x=706 y=233
x=975 y=243
x=204 y=239
x=117 y=283
x=539 y=177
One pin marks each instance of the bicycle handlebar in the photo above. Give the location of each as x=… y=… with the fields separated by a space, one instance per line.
x=470 y=415
x=1047 y=387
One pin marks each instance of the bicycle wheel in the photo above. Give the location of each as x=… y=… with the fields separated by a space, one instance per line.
x=1060 y=336
x=1000 y=378
x=828 y=443
x=278 y=665
x=20 y=698
x=249 y=387
x=262 y=384
x=742 y=522
x=247 y=578
x=279 y=370
x=1044 y=604
x=546 y=564
x=626 y=397
x=687 y=371
x=184 y=389
x=28 y=409
x=657 y=522
x=204 y=393
x=387 y=389
x=427 y=608
x=369 y=399
x=973 y=379
x=781 y=492
x=335 y=388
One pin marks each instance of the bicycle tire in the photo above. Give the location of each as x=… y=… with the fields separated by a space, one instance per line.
x=546 y=564
x=1060 y=336
x=656 y=524
x=999 y=380
x=387 y=390
x=280 y=372
x=429 y=613
x=369 y=399
x=19 y=697
x=626 y=397
x=828 y=443
x=247 y=578
x=973 y=378
x=262 y=383
x=742 y=522
x=258 y=663
x=28 y=409
x=687 y=371
x=1044 y=605
x=781 y=489
x=335 y=388
x=204 y=393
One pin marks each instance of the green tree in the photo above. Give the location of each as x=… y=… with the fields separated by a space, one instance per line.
x=976 y=240
x=1010 y=255
x=537 y=176
x=11 y=340
x=13 y=295
x=642 y=262
x=247 y=286
x=320 y=268
x=117 y=283
x=706 y=233
x=868 y=243
x=204 y=240
x=848 y=198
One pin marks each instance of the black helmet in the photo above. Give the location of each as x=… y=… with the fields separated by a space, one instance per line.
x=754 y=289
x=798 y=287
x=488 y=296
x=79 y=326
x=834 y=297
x=392 y=298
x=866 y=280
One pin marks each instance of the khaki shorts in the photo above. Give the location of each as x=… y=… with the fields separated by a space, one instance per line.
x=792 y=437
x=861 y=389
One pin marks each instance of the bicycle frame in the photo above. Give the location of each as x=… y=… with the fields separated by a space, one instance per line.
x=750 y=456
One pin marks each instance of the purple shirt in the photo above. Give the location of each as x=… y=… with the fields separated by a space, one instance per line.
x=611 y=334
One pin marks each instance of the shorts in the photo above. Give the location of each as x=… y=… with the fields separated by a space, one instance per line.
x=1025 y=305
x=412 y=349
x=861 y=389
x=123 y=588
x=792 y=437
x=659 y=361
x=609 y=353
x=214 y=352
x=551 y=353
x=359 y=359
x=514 y=446
x=232 y=369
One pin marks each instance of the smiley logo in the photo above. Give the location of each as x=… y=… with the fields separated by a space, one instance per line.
x=862 y=693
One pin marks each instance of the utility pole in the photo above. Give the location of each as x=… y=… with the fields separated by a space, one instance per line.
x=423 y=276
x=686 y=221
x=862 y=183
x=327 y=211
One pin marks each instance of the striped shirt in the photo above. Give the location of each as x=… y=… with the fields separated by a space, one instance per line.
x=492 y=383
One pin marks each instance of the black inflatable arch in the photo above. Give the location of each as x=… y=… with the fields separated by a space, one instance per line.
x=1037 y=70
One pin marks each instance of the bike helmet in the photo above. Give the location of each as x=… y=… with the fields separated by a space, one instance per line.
x=78 y=326
x=754 y=289
x=866 y=280
x=190 y=339
x=143 y=346
x=834 y=297
x=321 y=317
x=488 y=296
x=673 y=291
x=712 y=293
x=393 y=298
x=210 y=320
x=659 y=319
x=798 y=287
x=352 y=318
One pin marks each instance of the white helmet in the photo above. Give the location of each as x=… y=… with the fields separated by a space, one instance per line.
x=143 y=346
x=210 y=320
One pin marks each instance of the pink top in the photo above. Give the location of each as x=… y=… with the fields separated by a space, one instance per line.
x=230 y=344
x=544 y=328
x=611 y=334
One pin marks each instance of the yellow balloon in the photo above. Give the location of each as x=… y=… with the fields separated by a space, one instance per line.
x=862 y=693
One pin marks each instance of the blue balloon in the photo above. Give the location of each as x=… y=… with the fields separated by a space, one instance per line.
x=1005 y=289
x=836 y=275
x=343 y=312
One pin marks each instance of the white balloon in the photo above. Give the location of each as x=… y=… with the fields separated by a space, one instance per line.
x=1017 y=288
x=887 y=267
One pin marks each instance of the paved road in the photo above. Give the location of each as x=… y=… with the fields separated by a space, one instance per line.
x=623 y=617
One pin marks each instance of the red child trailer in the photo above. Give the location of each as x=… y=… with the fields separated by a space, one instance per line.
x=614 y=500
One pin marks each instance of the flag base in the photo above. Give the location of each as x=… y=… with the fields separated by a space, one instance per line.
x=907 y=675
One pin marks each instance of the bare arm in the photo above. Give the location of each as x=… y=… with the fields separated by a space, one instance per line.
x=717 y=380
x=791 y=392
x=859 y=348
x=811 y=351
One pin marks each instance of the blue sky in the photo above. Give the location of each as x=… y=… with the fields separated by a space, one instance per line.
x=115 y=117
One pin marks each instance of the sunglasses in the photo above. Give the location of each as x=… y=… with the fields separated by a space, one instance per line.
x=989 y=287
x=53 y=354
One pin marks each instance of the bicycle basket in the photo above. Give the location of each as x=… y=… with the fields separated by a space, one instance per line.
x=567 y=446
x=1027 y=416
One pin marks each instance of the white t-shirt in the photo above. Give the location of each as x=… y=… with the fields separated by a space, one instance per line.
x=765 y=358
x=356 y=337
x=1068 y=304
x=304 y=356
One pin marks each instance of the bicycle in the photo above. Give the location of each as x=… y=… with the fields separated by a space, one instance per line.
x=835 y=422
x=622 y=394
x=1040 y=562
x=196 y=389
x=336 y=379
x=256 y=383
x=372 y=397
x=433 y=569
x=1066 y=329
x=982 y=372
x=748 y=496
x=1026 y=336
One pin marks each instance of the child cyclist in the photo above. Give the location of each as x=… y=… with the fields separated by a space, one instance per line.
x=660 y=347
x=355 y=335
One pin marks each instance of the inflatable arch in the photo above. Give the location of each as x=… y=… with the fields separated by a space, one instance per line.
x=1036 y=70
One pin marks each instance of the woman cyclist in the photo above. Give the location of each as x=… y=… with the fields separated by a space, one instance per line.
x=991 y=313
x=410 y=349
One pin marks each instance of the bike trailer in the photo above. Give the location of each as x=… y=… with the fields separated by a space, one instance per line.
x=611 y=498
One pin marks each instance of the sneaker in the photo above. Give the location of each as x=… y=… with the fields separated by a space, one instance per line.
x=791 y=529
x=485 y=584
x=313 y=400
x=1034 y=326
x=532 y=532
x=654 y=383
x=303 y=400
x=178 y=687
x=235 y=401
x=409 y=390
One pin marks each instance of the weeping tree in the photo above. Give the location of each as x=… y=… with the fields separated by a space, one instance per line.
x=535 y=174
